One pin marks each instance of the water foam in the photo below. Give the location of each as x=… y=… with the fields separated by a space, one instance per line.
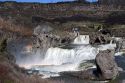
x=59 y=56
x=57 y=59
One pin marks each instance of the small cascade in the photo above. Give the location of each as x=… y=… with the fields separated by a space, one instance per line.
x=111 y=45
x=81 y=39
x=111 y=42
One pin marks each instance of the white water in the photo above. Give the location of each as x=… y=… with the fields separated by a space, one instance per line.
x=57 y=59
x=58 y=56
x=107 y=46
x=82 y=39
x=119 y=53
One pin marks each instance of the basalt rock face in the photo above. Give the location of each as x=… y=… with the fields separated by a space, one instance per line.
x=45 y=37
x=98 y=38
x=106 y=66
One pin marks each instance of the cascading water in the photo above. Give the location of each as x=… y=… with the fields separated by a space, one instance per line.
x=81 y=39
x=57 y=59
x=59 y=56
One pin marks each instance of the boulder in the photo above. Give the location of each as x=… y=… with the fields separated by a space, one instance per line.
x=106 y=66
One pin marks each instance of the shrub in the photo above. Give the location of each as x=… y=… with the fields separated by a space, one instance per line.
x=3 y=44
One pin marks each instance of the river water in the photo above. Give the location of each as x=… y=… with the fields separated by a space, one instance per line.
x=66 y=58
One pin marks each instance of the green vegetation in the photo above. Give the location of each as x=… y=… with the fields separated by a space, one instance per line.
x=3 y=44
x=8 y=81
x=86 y=65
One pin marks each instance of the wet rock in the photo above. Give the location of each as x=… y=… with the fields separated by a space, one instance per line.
x=87 y=65
x=87 y=74
x=106 y=66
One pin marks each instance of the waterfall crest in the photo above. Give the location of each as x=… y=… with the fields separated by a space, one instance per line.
x=81 y=39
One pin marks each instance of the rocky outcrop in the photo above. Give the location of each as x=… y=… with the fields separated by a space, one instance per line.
x=106 y=65
x=98 y=38
x=46 y=36
x=43 y=28
x=43 y=36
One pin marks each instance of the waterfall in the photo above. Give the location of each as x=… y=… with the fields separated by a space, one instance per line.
x=81 y=39
x=59 y=56
x=55 y=59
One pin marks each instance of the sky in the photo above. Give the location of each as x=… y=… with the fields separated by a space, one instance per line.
x=44 y=1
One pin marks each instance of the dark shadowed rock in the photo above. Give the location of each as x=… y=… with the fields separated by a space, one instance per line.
x=106 y=65
x=87 y=74
x=98 y=38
